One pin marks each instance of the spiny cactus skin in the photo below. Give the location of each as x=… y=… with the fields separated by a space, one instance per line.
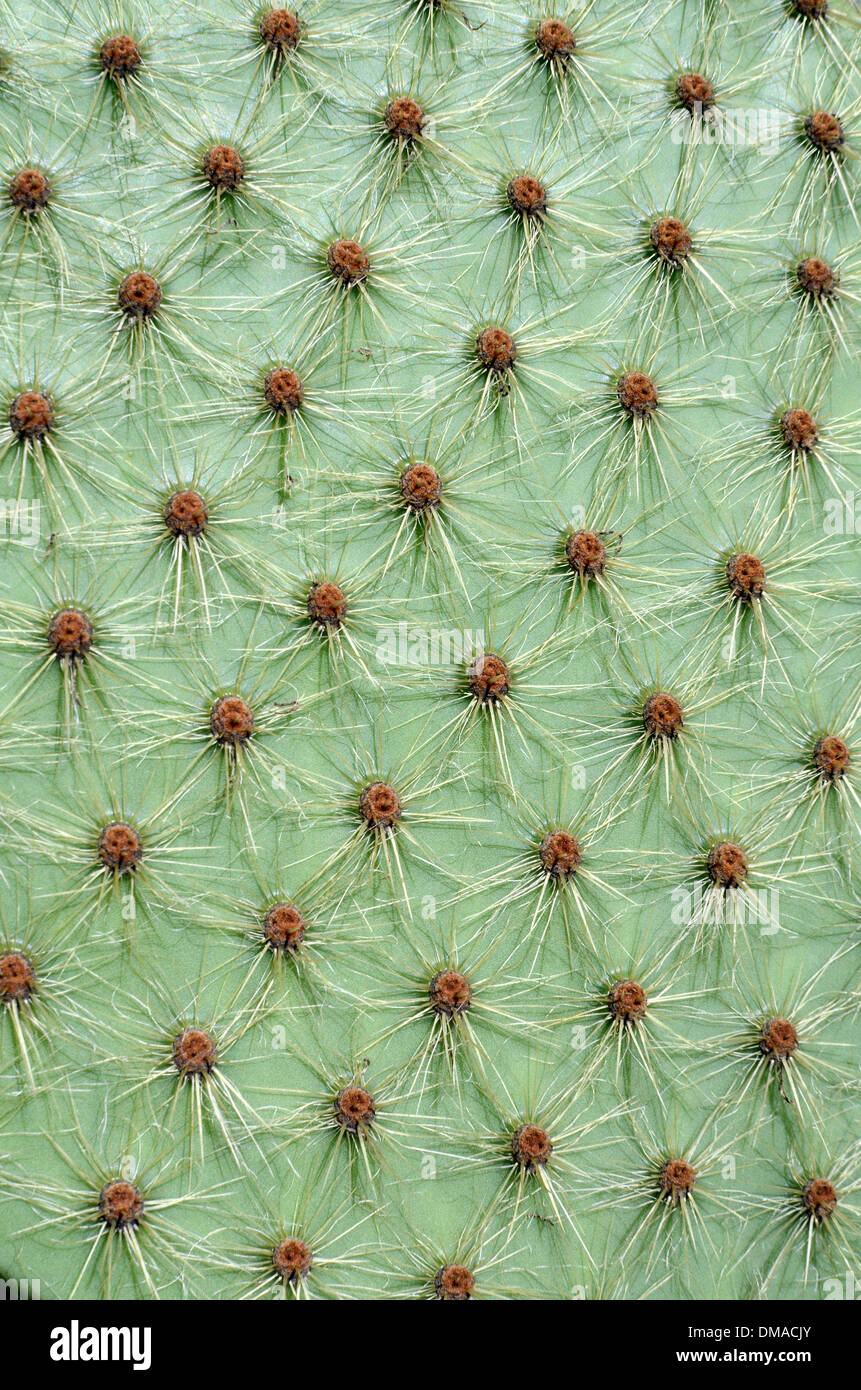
x=431 y=727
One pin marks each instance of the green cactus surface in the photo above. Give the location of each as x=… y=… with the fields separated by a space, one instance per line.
x=431 y=729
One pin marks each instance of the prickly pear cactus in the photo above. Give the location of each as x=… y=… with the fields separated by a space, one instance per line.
x=430 y=718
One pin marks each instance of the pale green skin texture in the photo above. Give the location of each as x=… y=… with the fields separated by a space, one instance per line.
x=548 y=1262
